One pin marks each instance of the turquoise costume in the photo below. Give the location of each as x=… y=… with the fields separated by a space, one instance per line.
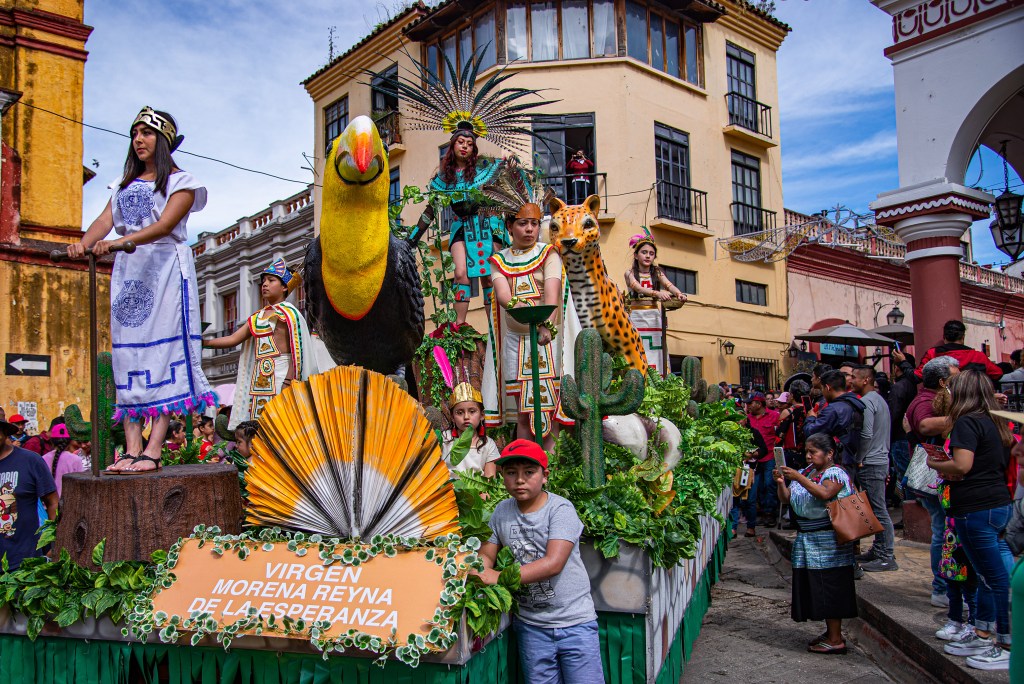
x=478 y=232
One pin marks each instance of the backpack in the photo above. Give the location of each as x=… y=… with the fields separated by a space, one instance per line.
x=844 y=454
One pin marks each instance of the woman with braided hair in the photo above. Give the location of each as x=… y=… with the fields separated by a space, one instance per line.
x=62 y=459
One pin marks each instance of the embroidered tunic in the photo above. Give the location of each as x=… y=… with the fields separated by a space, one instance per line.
x=262 y=367
x=817 y=549
x=646 y=318
x=154 y=308
x=508 y=374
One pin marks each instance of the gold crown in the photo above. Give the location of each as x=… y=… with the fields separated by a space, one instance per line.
x=464 y=391
x=158 y=123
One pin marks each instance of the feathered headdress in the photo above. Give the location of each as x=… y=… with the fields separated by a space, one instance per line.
x=515 y=186
x=463 y=391
x=641 y=239
x=457 y=104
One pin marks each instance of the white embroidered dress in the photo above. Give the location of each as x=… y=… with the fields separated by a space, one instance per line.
x=154 y=308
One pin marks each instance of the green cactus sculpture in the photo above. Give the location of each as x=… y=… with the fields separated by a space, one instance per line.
x=220 y=424
x=714 y=394
x=699 y=391
x=110 y=434
x=691 y=371
x=585 y=399
x=693 y=409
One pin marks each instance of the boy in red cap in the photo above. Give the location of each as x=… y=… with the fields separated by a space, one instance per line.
x=556 y=624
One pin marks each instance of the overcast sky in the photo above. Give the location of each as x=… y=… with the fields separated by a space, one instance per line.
x=229 y=71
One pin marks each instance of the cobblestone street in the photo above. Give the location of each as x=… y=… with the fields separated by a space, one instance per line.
x=748 y=635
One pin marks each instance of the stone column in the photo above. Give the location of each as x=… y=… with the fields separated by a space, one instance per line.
x=932 y=225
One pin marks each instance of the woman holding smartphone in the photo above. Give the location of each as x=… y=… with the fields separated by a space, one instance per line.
x=980 y=505
x=823 y=587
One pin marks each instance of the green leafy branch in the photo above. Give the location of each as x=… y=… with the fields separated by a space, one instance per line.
x=65 y=592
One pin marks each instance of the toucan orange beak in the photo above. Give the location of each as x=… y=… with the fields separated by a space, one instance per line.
x=362 y=150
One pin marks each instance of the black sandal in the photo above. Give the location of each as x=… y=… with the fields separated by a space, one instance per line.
x=125 y=457
x=142 y=457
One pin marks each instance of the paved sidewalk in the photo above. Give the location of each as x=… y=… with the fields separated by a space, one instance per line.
x=898 y=605
x=748 y=635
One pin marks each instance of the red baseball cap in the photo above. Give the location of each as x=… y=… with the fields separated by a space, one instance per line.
x=524 y=449
x=17 y=418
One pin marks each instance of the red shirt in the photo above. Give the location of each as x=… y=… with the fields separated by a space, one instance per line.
x=766 y=424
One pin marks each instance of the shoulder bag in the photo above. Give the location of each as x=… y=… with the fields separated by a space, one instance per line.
x=852 y=518
x=920 y=477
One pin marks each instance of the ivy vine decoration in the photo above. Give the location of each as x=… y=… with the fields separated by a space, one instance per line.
x=455 y=555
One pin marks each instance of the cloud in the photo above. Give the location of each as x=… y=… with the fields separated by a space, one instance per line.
x=230 y=74
x=881 y=146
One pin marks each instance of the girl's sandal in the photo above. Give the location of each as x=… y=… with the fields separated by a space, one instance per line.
x=137 y=459
x=127 y=459
x=825 y=648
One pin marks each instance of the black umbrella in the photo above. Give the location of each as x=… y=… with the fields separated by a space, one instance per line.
x=903 y=334
x=845 y=333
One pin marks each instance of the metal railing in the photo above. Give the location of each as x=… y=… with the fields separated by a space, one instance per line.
x=389 y=125
x=682 y=203
x=748 y=218
x=573 y=191
x=750 y=114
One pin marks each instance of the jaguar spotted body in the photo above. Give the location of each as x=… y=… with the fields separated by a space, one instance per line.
x=576 y=233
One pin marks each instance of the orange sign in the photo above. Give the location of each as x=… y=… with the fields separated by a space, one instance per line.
x=374 y=597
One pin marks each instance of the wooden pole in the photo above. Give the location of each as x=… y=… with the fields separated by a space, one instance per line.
x=94 y=372
x=665 y=369
x=94 y=346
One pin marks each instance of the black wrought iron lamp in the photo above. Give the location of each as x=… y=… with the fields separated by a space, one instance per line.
x=727 y=345
x=1008 y=229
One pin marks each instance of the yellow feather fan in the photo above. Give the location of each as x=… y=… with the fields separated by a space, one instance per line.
x=349 y=454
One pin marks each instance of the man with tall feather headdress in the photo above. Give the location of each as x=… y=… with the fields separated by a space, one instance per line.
x=276 y=346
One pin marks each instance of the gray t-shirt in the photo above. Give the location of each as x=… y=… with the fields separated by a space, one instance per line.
x=874 y=434
x=563 y=600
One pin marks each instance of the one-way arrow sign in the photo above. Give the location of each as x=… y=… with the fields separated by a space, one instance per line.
x=27 y=364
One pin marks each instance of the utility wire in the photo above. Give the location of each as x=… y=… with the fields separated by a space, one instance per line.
x=179 y=151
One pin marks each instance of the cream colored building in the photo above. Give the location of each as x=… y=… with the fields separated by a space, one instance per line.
x=676 y=103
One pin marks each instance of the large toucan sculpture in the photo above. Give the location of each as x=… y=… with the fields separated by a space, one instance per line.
x=362 y=286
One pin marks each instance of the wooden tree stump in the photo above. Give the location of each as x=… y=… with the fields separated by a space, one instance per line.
x=138 y=514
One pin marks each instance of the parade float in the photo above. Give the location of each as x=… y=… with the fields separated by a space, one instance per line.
x=344 y=550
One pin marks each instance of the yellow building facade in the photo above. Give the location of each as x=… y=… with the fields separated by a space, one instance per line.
x=677 y=105
x=44 y=325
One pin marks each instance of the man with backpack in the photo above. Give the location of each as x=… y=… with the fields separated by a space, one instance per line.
x=842 y=419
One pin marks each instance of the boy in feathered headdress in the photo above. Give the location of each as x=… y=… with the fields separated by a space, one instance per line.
x=276 y=346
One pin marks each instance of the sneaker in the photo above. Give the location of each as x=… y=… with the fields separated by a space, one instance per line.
x=953 y=631
x=969 y=645
x=858 y=572
x=880 y=565
x=996 y=658
x=865 y=557
x=940 y=601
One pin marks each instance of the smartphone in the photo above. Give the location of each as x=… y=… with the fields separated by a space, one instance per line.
x=898 y=346
x=780 y=458
x=806 y=401
x=937 y=452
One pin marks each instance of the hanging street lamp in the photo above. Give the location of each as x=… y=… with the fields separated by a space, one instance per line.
x=1008 y=229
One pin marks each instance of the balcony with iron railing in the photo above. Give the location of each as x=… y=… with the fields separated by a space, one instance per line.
x=682 y=203
x=749 y=120
x=749 y=218
x=575 y=188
